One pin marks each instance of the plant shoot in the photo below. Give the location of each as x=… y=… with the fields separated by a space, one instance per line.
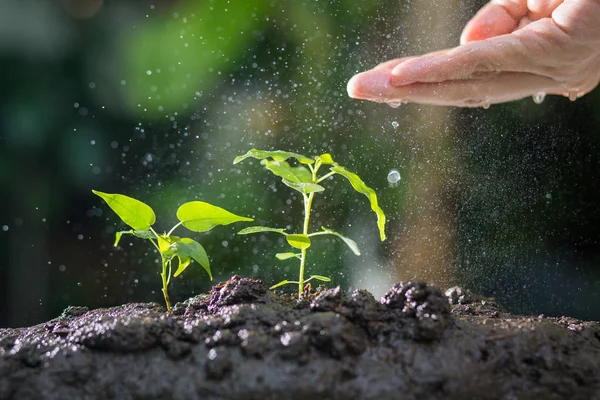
x=197 y=216
x=304 y=178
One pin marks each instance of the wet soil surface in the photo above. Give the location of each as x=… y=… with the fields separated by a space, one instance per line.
x=242 y=341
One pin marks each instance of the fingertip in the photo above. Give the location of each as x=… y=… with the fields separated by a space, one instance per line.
x=368 y=85
x=492 y=20
x=464 y=37
x=351 y=86
x=539 y=9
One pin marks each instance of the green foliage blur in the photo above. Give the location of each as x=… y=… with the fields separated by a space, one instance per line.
x=154 y=99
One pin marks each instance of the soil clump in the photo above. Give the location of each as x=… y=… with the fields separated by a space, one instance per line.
x=243 y=341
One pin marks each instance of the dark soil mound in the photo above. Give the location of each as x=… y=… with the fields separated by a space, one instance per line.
x=244 y=342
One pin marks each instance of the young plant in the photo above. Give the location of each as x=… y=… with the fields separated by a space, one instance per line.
x=304 y=179
x=197 y=216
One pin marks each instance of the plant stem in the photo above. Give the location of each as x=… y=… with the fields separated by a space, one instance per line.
x=169 y=272
x=321 y=179
x=173 y=229
x=153 y=231
x=307 y=206
x=155 y=245
x=301 y=278
x=163 y=275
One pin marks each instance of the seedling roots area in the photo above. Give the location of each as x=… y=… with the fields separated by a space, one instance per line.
x=243 y=341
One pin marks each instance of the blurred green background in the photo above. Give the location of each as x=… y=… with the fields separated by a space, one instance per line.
x=154 y=99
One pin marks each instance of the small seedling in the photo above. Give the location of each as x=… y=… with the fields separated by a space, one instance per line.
x=303 y=178
x=197 y=216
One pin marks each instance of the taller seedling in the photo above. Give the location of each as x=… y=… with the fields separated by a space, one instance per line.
x=304 y=179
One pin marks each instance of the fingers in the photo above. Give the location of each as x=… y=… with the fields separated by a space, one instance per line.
x=500 y=17
x=504 y=53
x=492 y=89
x=580 y=20
x=532 y=49
x=378 y=76
x=557 y=55
x=389 y=65
x=494 y=19
x=542 y=8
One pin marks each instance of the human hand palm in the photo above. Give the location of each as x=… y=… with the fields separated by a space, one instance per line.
x=510 y=50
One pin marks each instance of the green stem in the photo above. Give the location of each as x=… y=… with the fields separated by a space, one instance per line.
x=165 y=291
x=301 y=278
x=173 y=229
x=155 y=245
x=321 y=179
x=169 y=272
x=307 y=207
x=153 y=231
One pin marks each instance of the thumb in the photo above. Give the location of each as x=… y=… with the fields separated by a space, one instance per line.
x=494 y=19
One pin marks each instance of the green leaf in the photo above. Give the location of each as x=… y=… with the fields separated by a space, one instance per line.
x=351 y=243
x=133 y=212
x=199 y=216
x=276 y=155
x=298 y=241
x=144 y=234
x=184 y=262
x=325 y=159
x=260 y=229
x=118 y=236
x=187 y=248
x=284 y=170
x=140 y=234
x=303 y=187
x=166 y=245
x=285 y=282
x=319 y=278
x=360 y=187
x=286 y=256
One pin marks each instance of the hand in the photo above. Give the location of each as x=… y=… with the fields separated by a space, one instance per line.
x=510 y=50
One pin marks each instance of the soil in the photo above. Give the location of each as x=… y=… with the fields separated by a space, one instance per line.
x=242 y=341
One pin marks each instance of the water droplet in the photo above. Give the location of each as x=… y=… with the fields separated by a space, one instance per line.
x=395 y=124
x=485 y=104
x=286 y=339
x=538 y=98
x=394 y=104
x=393 y=177
x=573 y=95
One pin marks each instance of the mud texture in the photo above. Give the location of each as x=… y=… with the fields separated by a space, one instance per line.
x=244 y=342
